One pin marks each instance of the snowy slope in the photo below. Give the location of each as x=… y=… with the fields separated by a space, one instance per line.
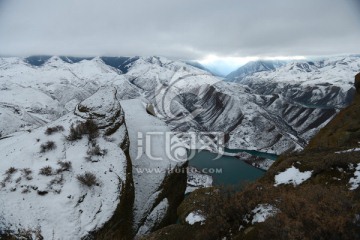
x=57 y=205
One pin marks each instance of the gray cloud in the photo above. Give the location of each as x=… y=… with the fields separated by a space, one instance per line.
x=187 y=29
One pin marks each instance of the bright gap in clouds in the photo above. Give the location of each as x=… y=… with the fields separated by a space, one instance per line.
x=225 y=65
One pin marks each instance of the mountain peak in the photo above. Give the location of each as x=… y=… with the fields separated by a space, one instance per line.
x=54 y=61
x=254 y=67
x=97 y=59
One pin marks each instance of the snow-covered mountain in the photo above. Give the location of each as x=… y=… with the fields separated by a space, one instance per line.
x=327 y=82
x=290 y=102
x=253 y=67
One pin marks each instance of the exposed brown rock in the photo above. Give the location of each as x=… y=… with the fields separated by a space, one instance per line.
x=357 y=83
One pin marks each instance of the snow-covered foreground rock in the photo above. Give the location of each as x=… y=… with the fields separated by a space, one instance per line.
x=40 y=190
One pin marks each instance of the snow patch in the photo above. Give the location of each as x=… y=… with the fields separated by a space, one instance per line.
x=195 y=217
x=350 y=150
x=196 y=180
x=355 y=181
x=263 y=212
x=292 y=175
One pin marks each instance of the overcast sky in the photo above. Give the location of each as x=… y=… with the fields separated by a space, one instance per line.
x=184 y=29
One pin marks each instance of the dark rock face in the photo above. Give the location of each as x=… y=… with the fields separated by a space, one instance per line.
x=357 y=82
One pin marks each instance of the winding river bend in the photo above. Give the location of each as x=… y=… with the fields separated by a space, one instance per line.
x=228 y=170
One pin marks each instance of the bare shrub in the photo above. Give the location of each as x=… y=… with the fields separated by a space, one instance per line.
x=8 y=175
x=49 y=145
x=77 y=131
x=46 y=171
x=51 y=130
x=92 y=129
x=11 y=170
x=64 y=166
x=88 y=179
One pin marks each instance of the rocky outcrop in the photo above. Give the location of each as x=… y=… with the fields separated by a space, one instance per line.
x=357 y=82
x=103 y=108
x=68 y=187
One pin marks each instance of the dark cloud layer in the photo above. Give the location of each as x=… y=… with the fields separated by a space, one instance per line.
x=188 y=29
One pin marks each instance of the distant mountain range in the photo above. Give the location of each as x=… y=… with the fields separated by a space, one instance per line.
x=292 y=99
